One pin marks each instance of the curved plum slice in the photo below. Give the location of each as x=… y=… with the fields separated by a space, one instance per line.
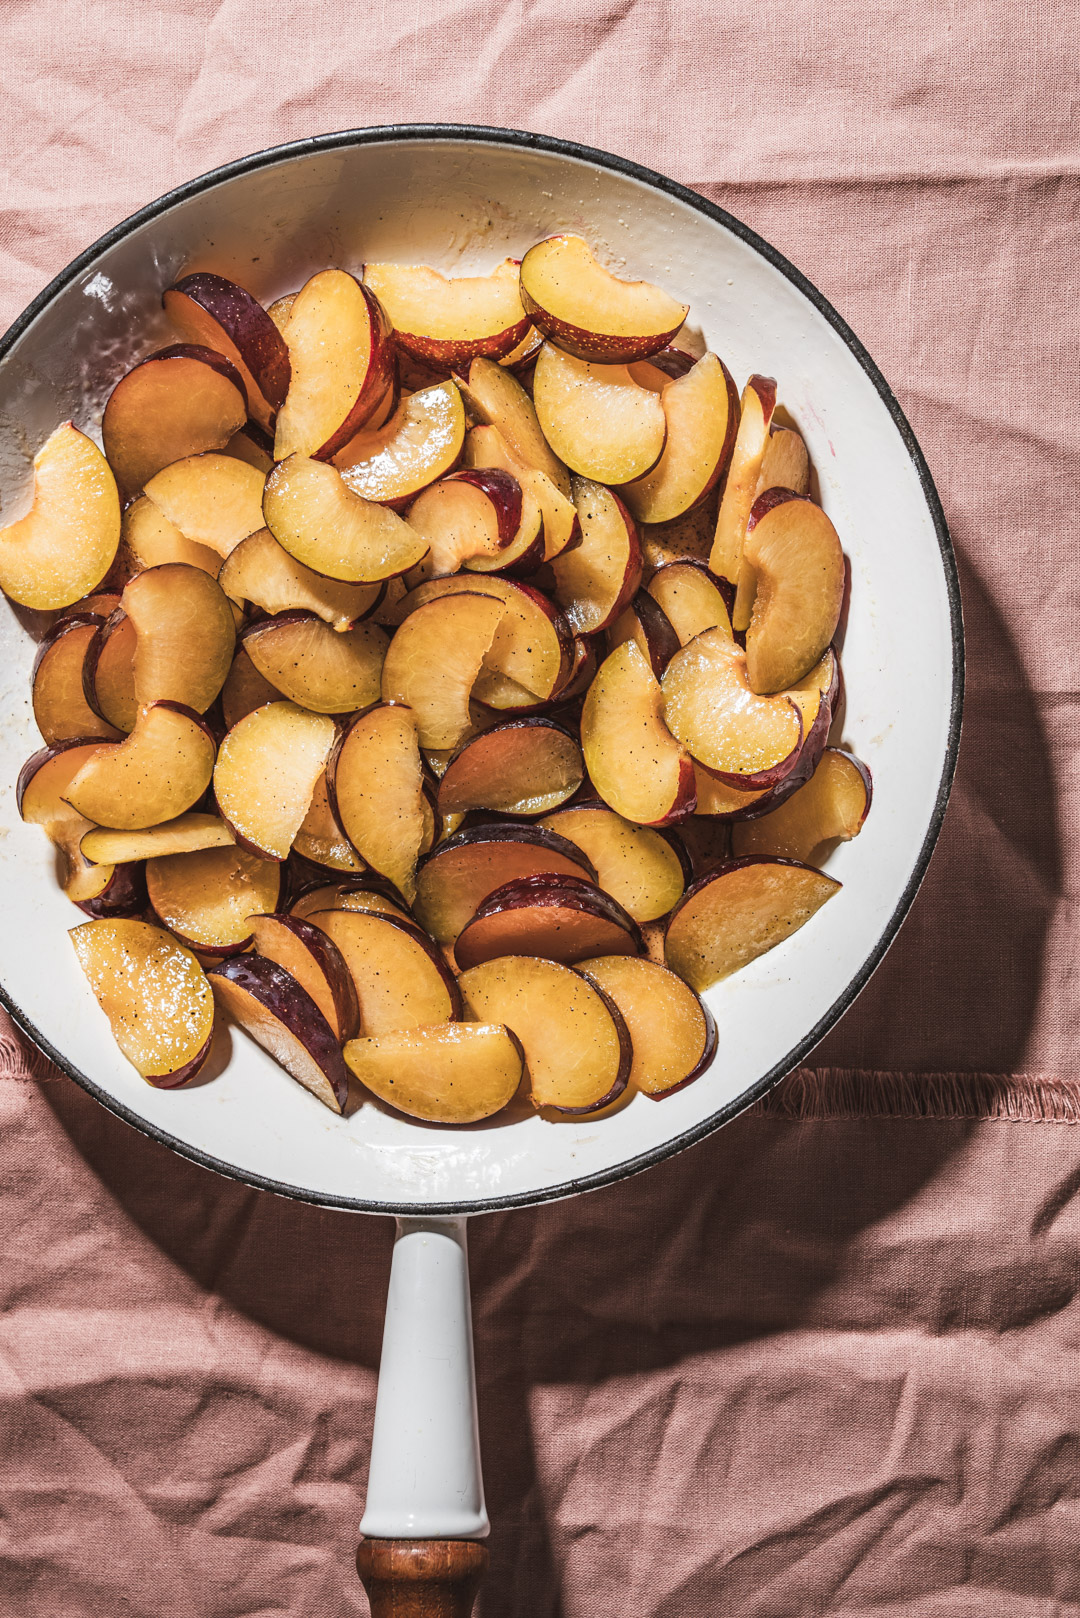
x=321 y=839
x=315 y=666
x=282 y=1017
x=434 y=660
x=559 y=918
x=691 y=600
x=635 y=763
x=206 y=898
x=419 y=444
x=521 y=359
x=253 y=446
x=743 y=739
x=375 y=780
x=456 y=1073
x=315 y=962
x=60 y=706
x=645 y=623
x=702 y=412
x=151 y=539
x=523 y=767
x=590 y=312
x=577 y=1049
x=66 y=543
x=320 y=521
x=726 y=802
x=672 y=1032
x=109 y=672
x=214 y=500
x=154 y=993
x=596 y=580
x=797 y=562
x=638 y=867
x=785 y=464
x=449 y=320
x=368 y=896
x=596 y=418
x=184 y=635
x=498 y=400
x=41 y=799
x=400 y=976
x=460 y=872
x=737 y=913
x=341 y=359
x=187 y=834
x=178 y=402
x=280 y=310
x=740 y=490
x=532 y=648
x=467 y=514
x=833 y=804
x=687 y=538
x=155 y=774
x=245 y=689
x=261 y=572
x=266 y=772
x=485 y=447
x=212 y=310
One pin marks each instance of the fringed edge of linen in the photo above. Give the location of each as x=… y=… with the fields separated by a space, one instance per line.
x=853 y=1093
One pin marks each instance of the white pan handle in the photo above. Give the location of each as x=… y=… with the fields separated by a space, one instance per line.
x=424 y=1481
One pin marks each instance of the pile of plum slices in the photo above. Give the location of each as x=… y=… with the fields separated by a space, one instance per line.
x=439 y=677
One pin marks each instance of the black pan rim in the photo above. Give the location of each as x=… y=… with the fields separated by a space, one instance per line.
x=482 y=133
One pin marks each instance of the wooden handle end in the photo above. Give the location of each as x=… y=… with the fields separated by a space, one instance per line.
x=421 y=1578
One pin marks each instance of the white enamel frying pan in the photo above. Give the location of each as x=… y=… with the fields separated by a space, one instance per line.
x=461 y=198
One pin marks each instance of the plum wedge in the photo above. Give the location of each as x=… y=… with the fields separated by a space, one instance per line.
x=207 y=897
x=737 y=913
x=832 y=805
x=280 y=1015
x=321 y=522
x=642 y=869
x=741 y=488
x=691 y=600
x=449 y=320
x=311 y=664
x=155 y=774
x=701 y=410
x=262 y=574
x=310 y=957
x=375 y=781
x=797 y=562
x=474 y=515
x=577 y=1049
x=498 y=400
x=672 y=1032
x=523 y=767
x=529 y=658
x=320 y=839
x=41 y=799
x=65 y=545
x=457 y=876
x=646 y=623
x=341 y=361
x=485 y=447
x=266 y=772
x=420 y=443
x=214 y=311
x=154 y=993
x=590 y=312
x=635 y=763
x=400 y=976
x=367 y=894
x=184 y=635
x=434 y=660
x=60 y=706
x=187 y=834
x=245 y=689
x=596 y=579
x=214 y=500
x=559 y=918
x=150 y=539
x=745 y=740
x=596 y=418
x=109 y=672
x=178 y=402
x=785 y=464
x=458 y=1073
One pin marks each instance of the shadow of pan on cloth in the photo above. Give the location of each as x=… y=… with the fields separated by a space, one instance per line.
x=465 y=197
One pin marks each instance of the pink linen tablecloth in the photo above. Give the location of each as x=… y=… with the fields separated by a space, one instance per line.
x=826 y=1361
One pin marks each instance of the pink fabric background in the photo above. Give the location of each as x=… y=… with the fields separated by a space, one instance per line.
x=816 y=1366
